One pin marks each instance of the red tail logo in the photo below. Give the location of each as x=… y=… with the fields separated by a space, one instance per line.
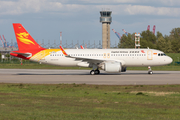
x=24 y=39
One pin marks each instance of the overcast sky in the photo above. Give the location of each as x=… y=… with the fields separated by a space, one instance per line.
x=79 y=19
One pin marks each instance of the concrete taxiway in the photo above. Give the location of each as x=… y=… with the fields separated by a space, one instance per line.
x=41 y=76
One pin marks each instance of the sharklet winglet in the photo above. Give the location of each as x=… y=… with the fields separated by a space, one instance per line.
x=63 y=51
x=81 y=47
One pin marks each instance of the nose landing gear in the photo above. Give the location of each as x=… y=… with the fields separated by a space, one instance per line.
x=150 y=71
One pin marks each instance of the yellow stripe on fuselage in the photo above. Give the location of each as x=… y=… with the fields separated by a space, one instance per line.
x=42 y=54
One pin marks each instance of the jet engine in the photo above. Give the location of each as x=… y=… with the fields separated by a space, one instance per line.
x=112 y=67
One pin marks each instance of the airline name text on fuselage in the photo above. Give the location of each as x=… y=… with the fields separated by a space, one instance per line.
x=124 y=51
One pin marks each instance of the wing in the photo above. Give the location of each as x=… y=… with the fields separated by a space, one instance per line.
x=89 y=60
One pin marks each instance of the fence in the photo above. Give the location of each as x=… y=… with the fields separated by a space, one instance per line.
x=69 y=44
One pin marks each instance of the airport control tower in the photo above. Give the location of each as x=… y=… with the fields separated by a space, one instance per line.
x=106 y=20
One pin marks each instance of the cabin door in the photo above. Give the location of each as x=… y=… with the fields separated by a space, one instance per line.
x=149 y=55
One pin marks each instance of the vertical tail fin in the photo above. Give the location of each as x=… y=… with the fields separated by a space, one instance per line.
x=24 y=40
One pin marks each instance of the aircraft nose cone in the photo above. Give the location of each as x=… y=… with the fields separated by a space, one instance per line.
x=170 y=60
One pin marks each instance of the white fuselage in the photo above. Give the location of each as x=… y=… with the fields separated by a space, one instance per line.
x=127 y=57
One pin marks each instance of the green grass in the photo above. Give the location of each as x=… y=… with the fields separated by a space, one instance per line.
x=81 y=101
x=161 y=68
x=174 y=56
x=35 y=66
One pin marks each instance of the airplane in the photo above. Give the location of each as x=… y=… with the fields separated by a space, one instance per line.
x=109 y=60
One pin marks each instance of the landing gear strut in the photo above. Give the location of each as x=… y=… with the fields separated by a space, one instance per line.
x=150 y=71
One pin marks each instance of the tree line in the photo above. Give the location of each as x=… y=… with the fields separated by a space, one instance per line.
x=167 y=44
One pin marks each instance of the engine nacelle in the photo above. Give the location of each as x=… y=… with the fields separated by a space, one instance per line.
x=112 y=67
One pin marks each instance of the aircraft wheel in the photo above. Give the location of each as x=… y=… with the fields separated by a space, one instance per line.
x=92 y=72
x=150 y=72
x=97 y=72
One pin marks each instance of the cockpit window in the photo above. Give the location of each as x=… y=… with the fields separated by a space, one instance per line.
x=161 y=54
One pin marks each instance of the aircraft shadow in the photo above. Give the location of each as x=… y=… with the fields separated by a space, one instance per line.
x=123 y=74
x=48 y=74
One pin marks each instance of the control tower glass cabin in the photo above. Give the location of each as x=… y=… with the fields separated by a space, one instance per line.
x=106 y=20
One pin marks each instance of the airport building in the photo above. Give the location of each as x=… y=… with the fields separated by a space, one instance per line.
x=4 y=51
x=7 y=50
x=106 y=20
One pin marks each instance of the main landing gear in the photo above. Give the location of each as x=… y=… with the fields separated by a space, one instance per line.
x=95 y=72
x=150 y=71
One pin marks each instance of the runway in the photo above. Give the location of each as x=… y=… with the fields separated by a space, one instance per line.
x=41 y=76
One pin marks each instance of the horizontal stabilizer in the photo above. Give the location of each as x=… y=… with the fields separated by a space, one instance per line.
x=25 y=54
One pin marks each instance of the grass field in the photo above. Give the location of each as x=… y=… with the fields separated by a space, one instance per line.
x=87 y=102
x=174 y=56
x=35 y=66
